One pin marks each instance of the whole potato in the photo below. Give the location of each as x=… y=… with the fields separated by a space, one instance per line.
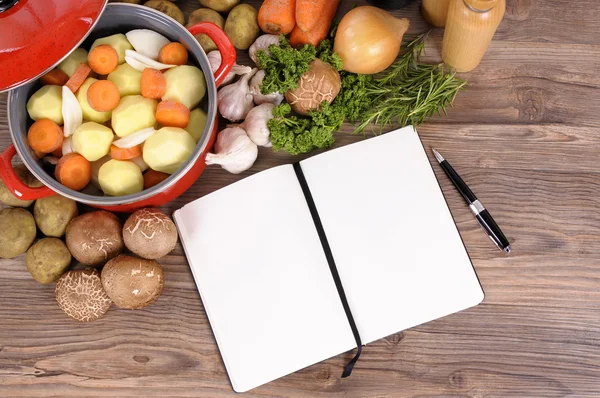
x=7 y=196
x=206 y=15
x=47 y=259
x=168 y=8
x=242 y=26
x=17 y=232
x=53 y=214
x=220 y=5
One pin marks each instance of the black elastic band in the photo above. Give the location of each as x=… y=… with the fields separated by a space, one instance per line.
x=334 y=272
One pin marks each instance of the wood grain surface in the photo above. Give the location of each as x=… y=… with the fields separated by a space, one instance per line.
x=525 y=135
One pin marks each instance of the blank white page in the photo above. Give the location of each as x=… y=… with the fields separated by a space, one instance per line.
x=395 y=244
x=263 y=278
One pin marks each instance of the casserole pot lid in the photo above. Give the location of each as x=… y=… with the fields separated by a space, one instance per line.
x=35 y=35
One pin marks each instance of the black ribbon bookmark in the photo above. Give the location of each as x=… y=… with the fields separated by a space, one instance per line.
x=334 y=272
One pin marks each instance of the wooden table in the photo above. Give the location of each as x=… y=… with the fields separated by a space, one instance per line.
x=525 y=136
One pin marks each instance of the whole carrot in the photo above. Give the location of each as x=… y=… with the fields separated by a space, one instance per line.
x=319 y=31
x=308 y=13
x=277 y=16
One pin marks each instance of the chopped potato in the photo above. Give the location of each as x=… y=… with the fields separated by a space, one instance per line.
x=86 y=110
x=78 y=56
x=96 y=170
x=196 y=124
x=185 y=84
x=92 y=140
x=168 y=149
x=46 y=103
x=120 y=177
x=133 y=113
x=127 y=80
x=119 y=42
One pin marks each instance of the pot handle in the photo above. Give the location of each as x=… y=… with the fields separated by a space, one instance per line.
x=224 y=45
x=14 y=183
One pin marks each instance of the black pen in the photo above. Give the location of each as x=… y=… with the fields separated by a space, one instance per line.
x=484 y=218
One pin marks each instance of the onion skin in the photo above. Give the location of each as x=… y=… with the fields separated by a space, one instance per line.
x=368 y=39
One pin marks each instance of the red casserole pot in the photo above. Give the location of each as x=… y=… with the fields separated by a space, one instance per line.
x=120 y=18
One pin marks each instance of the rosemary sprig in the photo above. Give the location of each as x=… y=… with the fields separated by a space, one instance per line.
x=409 y=92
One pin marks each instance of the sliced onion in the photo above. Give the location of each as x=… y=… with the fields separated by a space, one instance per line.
x=67 y=146
x=135 y=139
x=140 y=62
x=71 y=111
x=140 y=162
x=147 y=42
x=53 y=160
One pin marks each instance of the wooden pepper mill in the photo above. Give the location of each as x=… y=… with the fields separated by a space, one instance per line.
x=435 y=11
x=470 y=26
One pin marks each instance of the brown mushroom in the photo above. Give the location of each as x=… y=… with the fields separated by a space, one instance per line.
x=150 y=233
x=320 y=83
x=81 y=296
x=132 y=282
x=95 y=237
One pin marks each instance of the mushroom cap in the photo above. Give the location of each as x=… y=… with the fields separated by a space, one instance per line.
x=132 y=282
x=150 y=233
x=93 y=238
x=320 y=83
x=81 y=296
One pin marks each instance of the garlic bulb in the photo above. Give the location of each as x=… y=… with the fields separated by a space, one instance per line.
x=235 y=101
x=235 y=151
x=214 y=59
x=260 y=98
x=262 y=43
x=256 y=124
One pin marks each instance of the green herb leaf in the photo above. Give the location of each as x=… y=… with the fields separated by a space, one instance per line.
x=284 y=65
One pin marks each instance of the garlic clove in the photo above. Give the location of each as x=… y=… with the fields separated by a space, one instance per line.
x=140 y=62
x=71 y=112
x=235 y=100
x=262 y=43
x=214 y=59
x=256 y=125
x=235 y=152
x=147 y=42
x=260 y=98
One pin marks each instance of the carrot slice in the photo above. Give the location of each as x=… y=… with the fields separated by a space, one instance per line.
x=153 y=84
x=125 y=153
x=103 y=96
x=55 y=77
x=45 y=136
x=172 y=114
x=73 y=171
x=76 y=80
x=173 y=54
x=103 y=59
x=153 y=177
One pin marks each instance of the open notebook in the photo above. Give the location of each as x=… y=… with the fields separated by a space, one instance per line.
x=263 y=276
